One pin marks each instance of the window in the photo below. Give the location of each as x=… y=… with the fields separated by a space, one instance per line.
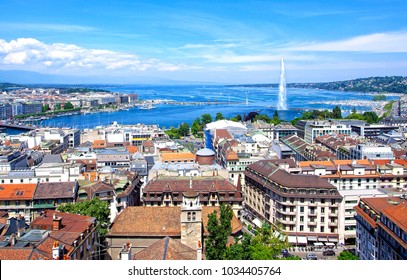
x=302 y=209
x=322 y=219
x=322 y=229
x=301 y=228
x=301 y=218
x=189 y=216
x=302 y=200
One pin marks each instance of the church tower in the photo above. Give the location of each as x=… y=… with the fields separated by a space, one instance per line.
x=191 y=219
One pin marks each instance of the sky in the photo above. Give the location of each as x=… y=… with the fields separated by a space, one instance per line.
x=229 y=42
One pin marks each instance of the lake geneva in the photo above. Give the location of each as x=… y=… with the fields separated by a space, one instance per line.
x=233 y=100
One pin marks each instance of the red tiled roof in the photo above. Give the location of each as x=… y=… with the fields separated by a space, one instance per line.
x=17 y=191
x=166 y=249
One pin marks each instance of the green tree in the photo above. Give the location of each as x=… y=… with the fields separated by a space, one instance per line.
x=94 y=208
x=346 y=255
x=219 y=232
x=68 y=106
x=196 y=127
x=370 y=117
x=237 y=118
x=336 y=113
x=206 y=118
x=45 y=108
x=173 y=133
x=219 y=116
x=57 y=106
x=183 y=129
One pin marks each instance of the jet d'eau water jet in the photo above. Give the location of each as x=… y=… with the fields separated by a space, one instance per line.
x=282 y=92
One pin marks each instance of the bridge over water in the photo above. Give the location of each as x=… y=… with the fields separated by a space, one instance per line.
x=16 y=126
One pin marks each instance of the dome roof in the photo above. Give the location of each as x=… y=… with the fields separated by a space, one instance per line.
x=205 y=152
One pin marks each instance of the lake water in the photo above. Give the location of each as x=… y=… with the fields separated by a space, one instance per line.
x=259 y=99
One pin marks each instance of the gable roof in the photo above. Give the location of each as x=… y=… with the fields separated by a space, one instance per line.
x=158 y=221
x=55 y=190
x=17 y=191
x=166 y=249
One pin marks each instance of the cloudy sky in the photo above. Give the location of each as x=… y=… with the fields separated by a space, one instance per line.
x=205 y=41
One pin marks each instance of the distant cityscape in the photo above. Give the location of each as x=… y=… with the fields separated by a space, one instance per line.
x=325 y=188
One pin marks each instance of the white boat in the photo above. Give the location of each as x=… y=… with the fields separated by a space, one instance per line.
x=147 y=107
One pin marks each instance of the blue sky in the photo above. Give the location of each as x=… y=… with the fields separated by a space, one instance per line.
x=209 y=41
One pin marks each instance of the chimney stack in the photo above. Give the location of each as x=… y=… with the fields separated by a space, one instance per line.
x=55 y=251
x=56 y=222
x=199 y=251
x=126 y=252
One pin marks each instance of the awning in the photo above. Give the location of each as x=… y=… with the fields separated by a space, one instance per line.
x=322 y=239
x=333 y=239
x=329 y=244
x=318 y=244
x=302 y=239
x=312 y=238
x=257 y=222
x=292 y=239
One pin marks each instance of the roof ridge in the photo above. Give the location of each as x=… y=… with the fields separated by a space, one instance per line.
x=167 y=239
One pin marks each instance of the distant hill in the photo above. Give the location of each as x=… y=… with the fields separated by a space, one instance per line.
x=393 y=84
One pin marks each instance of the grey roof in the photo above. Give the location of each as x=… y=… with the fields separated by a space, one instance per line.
x=205 y=152
x=52 y=159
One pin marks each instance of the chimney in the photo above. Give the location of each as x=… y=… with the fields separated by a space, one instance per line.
x=13 y=240
x=199 y=251
x=55 y=251
x=126 y=252
x=56 y=222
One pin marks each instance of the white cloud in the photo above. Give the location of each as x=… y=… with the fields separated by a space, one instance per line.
x=31 y=54
x=395 y=42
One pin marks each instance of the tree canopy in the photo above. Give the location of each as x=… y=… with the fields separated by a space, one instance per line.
x=94 y=208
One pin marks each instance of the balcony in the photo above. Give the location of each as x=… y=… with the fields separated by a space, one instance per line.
x=314 y=223
x=44 y=205
x=312 y=213
x=333 y=214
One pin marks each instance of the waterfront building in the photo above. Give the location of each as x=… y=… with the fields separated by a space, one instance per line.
x=29 y=108
x=305 y=207
x=6 y=111
x=381 y=228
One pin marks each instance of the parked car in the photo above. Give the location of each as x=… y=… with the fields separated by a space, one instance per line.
x=328 y=253
x=285 y=253
x=311 y=256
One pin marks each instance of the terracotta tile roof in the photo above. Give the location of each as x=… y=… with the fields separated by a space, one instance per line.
x=222 y=133
x=99 y=144
x=11 y=253
x=177 y=156
x=166 y=249
x=148 y=221
x=55 y=190
x=72 y=225
x=309 y=163
x=158 y=221
x=182 y=184
x=148 y=143
x=384 y=161
x=271 y=171
x=17 y=191
x=132 y=149
x=398 y=215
